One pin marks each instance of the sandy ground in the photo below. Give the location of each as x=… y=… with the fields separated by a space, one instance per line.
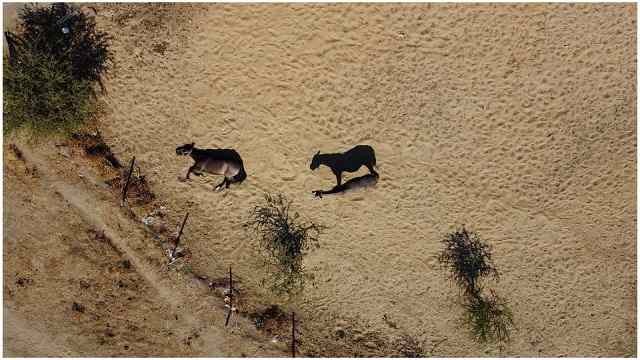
x=517 y=121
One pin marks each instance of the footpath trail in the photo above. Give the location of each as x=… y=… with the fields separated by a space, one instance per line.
x=197 y=310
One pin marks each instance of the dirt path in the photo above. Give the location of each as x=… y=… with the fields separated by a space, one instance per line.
x=26 y=338
x=194 y=308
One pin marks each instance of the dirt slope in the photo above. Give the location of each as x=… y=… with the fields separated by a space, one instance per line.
x=66 y=241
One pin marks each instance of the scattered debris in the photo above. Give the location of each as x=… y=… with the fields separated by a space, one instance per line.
x=77 y=307
x=160 y=47
x=94 y=145
x=391 y=324
x=64 y=151
x=16 y=151
x=269 y=318
x=408 y=346
x=138 y=190
x=24 y=281
x=98 y=235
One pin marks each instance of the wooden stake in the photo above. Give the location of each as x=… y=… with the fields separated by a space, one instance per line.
x=173 y=252
x=126 y=185
x=226 y=322
x=293 y=334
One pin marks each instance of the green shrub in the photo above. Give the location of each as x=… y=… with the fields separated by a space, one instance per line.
x=67 y=35
x=41 y=96
x=284 y=240
x=488 y=317
x=55 y=60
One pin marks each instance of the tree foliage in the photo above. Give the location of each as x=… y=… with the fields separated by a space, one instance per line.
x=55 y=59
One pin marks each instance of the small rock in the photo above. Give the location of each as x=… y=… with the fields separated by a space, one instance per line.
x=370 y=345
x=23 y=281
x=64 y=152
x=158 y=227
x=339 y=332
x=77 y=307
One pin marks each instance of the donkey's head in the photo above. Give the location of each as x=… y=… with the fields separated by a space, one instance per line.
x=315 y=162
x=185 y=149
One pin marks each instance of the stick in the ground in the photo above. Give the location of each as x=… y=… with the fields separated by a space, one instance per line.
x=173 y=252
x=230 y=295
x=126 y=185
x=433 y=348
x=293 y=334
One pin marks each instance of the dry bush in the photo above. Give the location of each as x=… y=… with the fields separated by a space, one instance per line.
x=408 y=346
x=468 y=259
x=271 y=318
x=284 y=239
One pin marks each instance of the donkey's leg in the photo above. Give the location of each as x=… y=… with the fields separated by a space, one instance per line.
x=192 y=168
x=338 y=177
x=371 y=170
x=219 y=186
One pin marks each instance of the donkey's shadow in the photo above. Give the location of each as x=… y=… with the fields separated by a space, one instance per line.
x=360 y=182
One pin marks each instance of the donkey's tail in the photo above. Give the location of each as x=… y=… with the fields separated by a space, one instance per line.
x=240 y=176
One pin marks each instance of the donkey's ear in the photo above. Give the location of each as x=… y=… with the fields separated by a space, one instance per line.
x=193 y=144
x=318 y=153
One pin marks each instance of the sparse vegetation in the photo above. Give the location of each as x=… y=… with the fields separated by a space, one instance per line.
x=139 y=188
x=284 y=239
x=489 y=317
x=469 y=260
x=54 y=61
x=269 y=318
x=409 y=346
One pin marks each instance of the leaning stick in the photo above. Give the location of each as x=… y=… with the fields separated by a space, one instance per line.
x=173 y=252
x=226 y=322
